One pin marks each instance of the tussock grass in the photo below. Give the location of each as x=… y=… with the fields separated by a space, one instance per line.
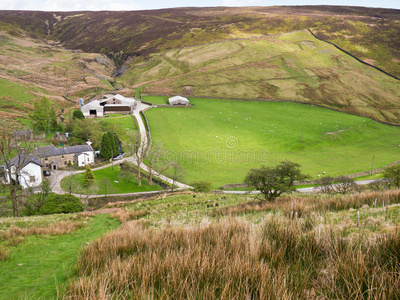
x=3 y=253
x=302 y=206
x=54 y=229
x=234 y=259
x=123 y=215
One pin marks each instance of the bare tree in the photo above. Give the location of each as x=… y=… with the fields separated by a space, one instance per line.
x=21 y=150
x=154 y=157
x=344 y=184
x=139 y=150
x=326 y=185
x=176 y=173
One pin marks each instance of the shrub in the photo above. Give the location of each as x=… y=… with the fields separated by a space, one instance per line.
x=201 y=186
x=56 y=204
x=88 y=179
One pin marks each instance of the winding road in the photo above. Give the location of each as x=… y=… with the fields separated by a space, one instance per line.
x=58 y=175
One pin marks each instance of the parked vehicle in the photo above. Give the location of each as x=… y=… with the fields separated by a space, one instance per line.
x=46 y=173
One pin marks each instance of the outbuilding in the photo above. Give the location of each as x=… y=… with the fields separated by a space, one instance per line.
x=93 y=109
x=178 y=100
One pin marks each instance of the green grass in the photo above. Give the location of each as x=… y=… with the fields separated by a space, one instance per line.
x=42 y=264
x=15 y=92
x=209 y=147
x=294 y=66
x=122 y=124
x=118 y=183
x=156 y=99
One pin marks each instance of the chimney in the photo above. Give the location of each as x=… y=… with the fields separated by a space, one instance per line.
x=82 y=102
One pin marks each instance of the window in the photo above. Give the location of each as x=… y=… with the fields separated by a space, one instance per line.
x=65 y=163
x=46 y=158
x=32 y=179
x=62 y=156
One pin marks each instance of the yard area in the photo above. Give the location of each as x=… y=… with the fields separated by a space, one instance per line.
x=122 y=124
x=108 y=181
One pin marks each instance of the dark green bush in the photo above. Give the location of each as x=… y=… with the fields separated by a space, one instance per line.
x=56 y=204
x=201 y=186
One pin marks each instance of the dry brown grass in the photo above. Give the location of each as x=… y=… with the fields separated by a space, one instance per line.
x=123 y=215
x=302 y=206
x=3 y=253
x=14 y=233
x=283 y=259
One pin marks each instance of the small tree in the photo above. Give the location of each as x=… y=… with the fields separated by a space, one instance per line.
x=176 y=173
x=273 y=181
x=326 y=185
x=34 y=202
x=88 y=179
x=393 y=175
x=344 y=184
x=139 y=148
x=154 y=156
x=43 y=117
x=77 y=114
x=106 y=184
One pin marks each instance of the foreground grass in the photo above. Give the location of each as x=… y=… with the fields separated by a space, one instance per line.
x=291 y=249
x=40 y=266
x=220 y=140
x=108 y=181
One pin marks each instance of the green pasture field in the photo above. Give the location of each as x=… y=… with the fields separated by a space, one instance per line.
x=156 y=99
x=294 y=67
x=116 y=183
x=41 y=265
x=122 y=124
x=221 y=140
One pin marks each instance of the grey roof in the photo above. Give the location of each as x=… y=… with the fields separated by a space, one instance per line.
x=21 y=161
x=51 y=150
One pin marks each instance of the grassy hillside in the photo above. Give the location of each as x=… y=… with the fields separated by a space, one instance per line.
x=371 y=33
x=294 y=66
x=220 y=140
x=30 y=68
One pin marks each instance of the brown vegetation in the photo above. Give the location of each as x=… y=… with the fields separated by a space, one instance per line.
x=54 y=229
x=283 y=259
x=124 y=216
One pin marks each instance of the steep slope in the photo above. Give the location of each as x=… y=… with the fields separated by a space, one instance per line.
x=294 y=67
x=371 y=34
x=30 y=68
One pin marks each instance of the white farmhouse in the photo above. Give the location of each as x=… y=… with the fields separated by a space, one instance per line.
x=178 y=100
x=28 y=170
x=85 y=158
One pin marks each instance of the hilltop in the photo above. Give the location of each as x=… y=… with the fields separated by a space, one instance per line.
x=89 y=47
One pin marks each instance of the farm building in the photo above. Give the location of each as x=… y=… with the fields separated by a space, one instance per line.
x=93 y=109
x=110 y=105
x=178 y=100
x=55 y=158
x=27 y=169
